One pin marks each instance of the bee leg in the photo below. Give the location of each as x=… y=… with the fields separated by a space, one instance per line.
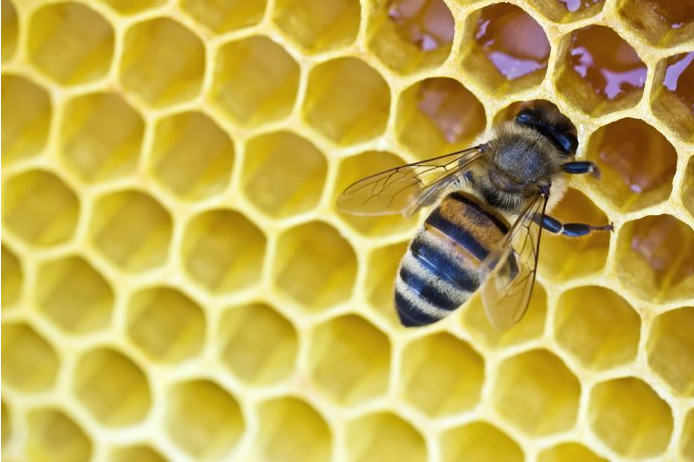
x=578 y=168
x=571 y=229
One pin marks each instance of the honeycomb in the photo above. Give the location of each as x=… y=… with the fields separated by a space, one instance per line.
x=177 y=283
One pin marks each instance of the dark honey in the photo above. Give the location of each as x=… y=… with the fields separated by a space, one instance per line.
x=512 y=40
x=577 y=5
x=428 y=24
x=679 y=78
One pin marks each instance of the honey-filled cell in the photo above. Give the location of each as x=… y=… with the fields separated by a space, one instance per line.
x=686 y=445
x=225 y=16
x=138 y=453
x=6 y=424
x=672 y=97
x=569 y=452
x=663 y=23
x=54 y=435
x=372 y=437
x=10 y=30
x=133 y=7
x=409 y=36
x=12 y=277
x=479 y=441
x=565 y=11
x=687 y=193
x=29 y=362
x=670 y=345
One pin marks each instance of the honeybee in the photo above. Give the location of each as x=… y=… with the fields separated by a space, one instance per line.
x=493 y=201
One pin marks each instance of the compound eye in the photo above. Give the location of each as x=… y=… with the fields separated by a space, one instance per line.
x=527 y=117
x=568 y=141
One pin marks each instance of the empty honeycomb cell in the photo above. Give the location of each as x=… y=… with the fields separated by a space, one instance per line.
x=192 y=157
x=318 y=26
x=670 y=346
x=672 y=96
x=283 y=173
x=29 y=362
x=12 y=277
x=39 y=208
x=131 y=7
x=166 y=324
x=54 y=436
x=100 y=136
x=687 y=193
x=563 y=257
x=10 y=30
x=662 y=23
x=569 y=452
x=537 y=393
x=350 y=359
x=257 y=358
x=384 y=436
x=438 y=115
x=70 y=43
x=409 y=36
x=360 y=166
x=479 y=441
x=531 y=326
x=255 y=81
x=6 y=424
x=25 y=133
x=636 y=162
x=493 y=55
x=163 y=62
x=225 y=16
x=598 y=71
x=223 y=251
x=629 y=417
x=441 y=374
x=73 y=295
x=139 y=453
x=307 y=439
x=686 y=445
x=347 y=101
x=655 y=258
x=203 y=419
x=379 y=284
x=568 y=10
x=131 y=229
x=597 y=326
x=112 y=387
x=315 y=265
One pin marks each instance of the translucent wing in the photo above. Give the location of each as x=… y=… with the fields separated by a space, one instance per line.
x=407 y=188
x=512 y=266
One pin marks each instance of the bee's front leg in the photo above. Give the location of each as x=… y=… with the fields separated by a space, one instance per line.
x=571 y=229
x=581 y=167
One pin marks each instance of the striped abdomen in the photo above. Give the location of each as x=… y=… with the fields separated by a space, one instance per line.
x=442 y=267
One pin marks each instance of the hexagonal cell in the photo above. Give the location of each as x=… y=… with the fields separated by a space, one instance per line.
x=315 y=265
x=441 y=374
x=163 y=62
x=101 y=136
x=537 y=393
x=636 y=161
x=73 y=295
x=409 y=36
x=39 y=208
x=12 y=277
x=564 y=257
x=29 y=362
x=347 y=101
x=6 y=424
x=192 y=157
x=565 y=11
x=70 y=43
x=384 y=436
x=493 y=55
x=255 y=81
x=112 y=387
x=670 y=346
x=662 y=23
x=132 y=7
x=530 y=327
x=671 y=98
x=350 y=360
x=597 y=326
x=479 y=441
x=569 y=452
x=356 y=168
x=318 y=26
x=166 y=324
x=654 y=258
x=54 y=436
x=10 y=30
x=223 y=251
x=307 y=439
x=203 y=419
x=139 y=453
x=24 y=134
x=283 y=173
x=257 y=358
x=598 y=71
x=226 y=16
x=131 y=229
x=686 y=446
x=379 y=285
x=629 y=417
x=687 y=194
x=438 y=115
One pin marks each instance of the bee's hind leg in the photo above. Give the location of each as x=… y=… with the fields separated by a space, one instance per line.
x=571 y=229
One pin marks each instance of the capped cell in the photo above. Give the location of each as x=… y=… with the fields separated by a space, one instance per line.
x=565 y=11
x=670 y=345
x=569 y=452
x=12 y=277
x=349 y=360
x=479 y=441
x=663 y=23
x=672 y=97
x=132 y=7
x=226 y=16
x=53 y=435
x=371 y=437
x=137 y=453
x=379 y=285
x=29 y=362
x=10 y=30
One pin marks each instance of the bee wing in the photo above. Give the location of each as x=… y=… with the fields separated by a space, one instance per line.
x=512 y=267
x=407 y=188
